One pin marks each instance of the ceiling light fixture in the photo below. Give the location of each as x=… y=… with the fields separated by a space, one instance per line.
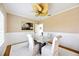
x=41 y=9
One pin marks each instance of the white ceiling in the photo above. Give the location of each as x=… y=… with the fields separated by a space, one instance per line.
x=25 y=9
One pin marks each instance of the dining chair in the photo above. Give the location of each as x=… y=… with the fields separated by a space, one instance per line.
x=33 y=49
x=51 y=49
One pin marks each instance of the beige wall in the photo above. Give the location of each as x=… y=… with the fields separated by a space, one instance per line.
x=14 y=23
x=64 y=22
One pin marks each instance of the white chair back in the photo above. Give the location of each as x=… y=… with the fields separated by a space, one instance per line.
x=55 y=44
x=31 y=43
x=33 y=49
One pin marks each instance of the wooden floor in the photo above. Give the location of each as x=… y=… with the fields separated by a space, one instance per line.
x=7 y=51
x=70 y=49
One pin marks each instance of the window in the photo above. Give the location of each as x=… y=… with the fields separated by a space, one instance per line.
x=1 y=28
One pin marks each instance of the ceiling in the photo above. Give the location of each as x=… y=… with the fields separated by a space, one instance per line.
x=26 y=10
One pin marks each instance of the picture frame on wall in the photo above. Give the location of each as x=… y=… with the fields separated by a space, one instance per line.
x=27 y=26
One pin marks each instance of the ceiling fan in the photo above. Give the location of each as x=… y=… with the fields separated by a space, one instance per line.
x=40 y=9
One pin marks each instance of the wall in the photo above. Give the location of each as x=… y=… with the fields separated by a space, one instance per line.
x=70 y=40
x=65 y=22
x=16 y=37
x=5 y=16
x=2 y=48
x=14 y=23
